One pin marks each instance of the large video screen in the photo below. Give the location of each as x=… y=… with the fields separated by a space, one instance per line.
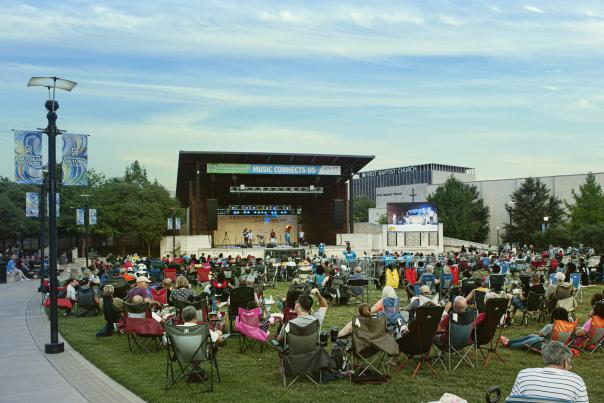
x=411 y=213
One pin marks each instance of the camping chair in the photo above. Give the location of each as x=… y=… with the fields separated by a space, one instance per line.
x=271 y=276
x=120 y=286
x=479 y=297
x=575 y=280
x=203 y=275
x=496 y=282
x=594 y=339
x=533 y=307
x=459 y=339
x=392 y=313
x=170 y=272
x=85 y=303
x=417 y=343
x=140 y=328
x=112 y=317
x=371 y=346
x=427 y=279
x=486 y=336
x=247 y=324
x=563 y=332
x=155 y=274
x=301 y=354
x=564 y=298
x=359 y=283
x=446 y=284
x=467 y=285
x=160 y=295
x=240 y=297
x=189 y=346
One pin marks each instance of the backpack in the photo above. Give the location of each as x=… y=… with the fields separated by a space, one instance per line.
x=392 y=278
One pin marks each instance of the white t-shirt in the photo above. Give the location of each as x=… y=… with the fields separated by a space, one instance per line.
x=550 y=383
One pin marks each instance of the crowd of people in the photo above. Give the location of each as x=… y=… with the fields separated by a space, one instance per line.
x=457 y=282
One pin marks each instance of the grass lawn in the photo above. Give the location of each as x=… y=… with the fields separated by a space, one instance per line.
x=254 y=376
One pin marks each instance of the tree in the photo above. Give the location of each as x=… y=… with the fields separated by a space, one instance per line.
x=137 y=174
x=14 y=224
x=383 y=219
x=362 y=204
x=586 y=215
x=532 y=202
x=461 y=210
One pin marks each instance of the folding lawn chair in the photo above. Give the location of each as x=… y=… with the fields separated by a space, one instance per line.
x=372 y=346
x=301 y=354
x=239 y=297
x=467 y=285
x=533 y=307
x=392 y=313
x=496 y=282
x=189 y=347
x=563 y=331
x=140 y=328
x=170 y=272
x=247 y=324
x=271 y=276
x=459 y=340
x=86 y=305
x=479 y=297
x=159 y=295
x=486 y=336
x=575 y=280
x=362 y=285
x=594 y=340
x=417 y=343
x=446 y=284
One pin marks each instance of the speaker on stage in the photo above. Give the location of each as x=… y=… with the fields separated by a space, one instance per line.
x=212 y=216
x=338 y=213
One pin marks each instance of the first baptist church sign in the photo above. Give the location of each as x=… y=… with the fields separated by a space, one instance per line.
x=391 y=171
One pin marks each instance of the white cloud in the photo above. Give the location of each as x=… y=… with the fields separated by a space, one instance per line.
x=585 y=104
x=285 y=16
x=534 y=9
x=496 y=9
x=551 y=88
x=449 y=20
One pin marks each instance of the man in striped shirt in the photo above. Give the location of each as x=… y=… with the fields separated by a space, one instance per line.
x=554 y=381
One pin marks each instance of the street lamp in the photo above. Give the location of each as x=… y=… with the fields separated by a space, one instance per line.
x=174 y=233
x=86 y=224
x=498 y=236
x=42 y=212
x=545 y=220
x=51 y=130
x=509 y=207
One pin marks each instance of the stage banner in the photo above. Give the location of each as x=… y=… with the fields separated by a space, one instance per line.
x=80 y=219
x=58 y=204
x=92 y=216
x=28 y=157
x=271 y=169
x=32 y=204
x=177 y=226
x=169 y=224
x=75 y=159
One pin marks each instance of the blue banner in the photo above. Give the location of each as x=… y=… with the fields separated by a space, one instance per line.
x=92 y=216
x=32 y=204
x=75 y=159
x=28 y=157
x=80 y=220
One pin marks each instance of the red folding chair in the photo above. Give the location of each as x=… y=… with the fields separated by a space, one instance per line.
x=159 y=295
x=170 y=272
x=203 y=274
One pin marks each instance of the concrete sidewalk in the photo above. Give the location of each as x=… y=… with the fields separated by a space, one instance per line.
x=29 y=375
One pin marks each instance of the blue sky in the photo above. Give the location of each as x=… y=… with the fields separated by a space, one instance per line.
x=512 y=88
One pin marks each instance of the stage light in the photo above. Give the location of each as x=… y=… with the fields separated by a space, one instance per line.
x=242 y=187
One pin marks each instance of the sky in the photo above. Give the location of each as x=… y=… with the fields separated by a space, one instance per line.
x=511 y=88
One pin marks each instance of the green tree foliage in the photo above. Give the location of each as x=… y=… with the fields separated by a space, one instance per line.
x=14 y=224
x=532 y=202
x=461 y=210
x=586 y=214
x=362 y=204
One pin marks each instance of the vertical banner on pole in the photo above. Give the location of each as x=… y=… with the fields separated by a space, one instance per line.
x=32 y=204
x=28 y=157
x=169 y=224
x=177 y=226
x=92 y=216
x=75 y=159
x=80 y=216
x=58 y=203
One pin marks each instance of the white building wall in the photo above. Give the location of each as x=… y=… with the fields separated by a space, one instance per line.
x=439 y=177
x=496 y=193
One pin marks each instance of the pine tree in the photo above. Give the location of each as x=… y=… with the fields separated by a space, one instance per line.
x=532 y=202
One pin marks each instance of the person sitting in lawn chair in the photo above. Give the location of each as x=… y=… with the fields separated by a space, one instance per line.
x=535 y=340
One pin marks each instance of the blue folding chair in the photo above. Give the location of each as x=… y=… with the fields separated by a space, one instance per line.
x=392 y=313
x=426 y=279
x=446 y=283
x=575 y=280
x=552 y=278
x=505 y=267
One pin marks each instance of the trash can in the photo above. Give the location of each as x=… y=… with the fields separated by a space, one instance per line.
x=3 y=273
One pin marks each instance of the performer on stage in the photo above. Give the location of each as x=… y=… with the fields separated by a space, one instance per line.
x=300 y=238
x=273 y=237
x=250 y=238
x=287 y=235
x=245 y=236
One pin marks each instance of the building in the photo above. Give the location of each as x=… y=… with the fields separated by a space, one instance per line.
x=368 y=182
x=496 y=193
x=227 y=192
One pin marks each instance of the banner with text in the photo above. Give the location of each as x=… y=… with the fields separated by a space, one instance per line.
x=28 y=157
x=272 y=169
x=75 y=159
x=32 y=204
x=169 y=224
x=92 y=216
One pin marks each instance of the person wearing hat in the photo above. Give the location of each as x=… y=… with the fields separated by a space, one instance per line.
x=425 y=298
x=141 y=289
x=95 y=283
x=357 y=291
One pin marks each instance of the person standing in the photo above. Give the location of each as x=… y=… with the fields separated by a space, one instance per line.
x=273 y=237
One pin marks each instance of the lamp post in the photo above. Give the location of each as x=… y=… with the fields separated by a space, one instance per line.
x=51 y=130
x=42 y=212
x=498 y=245
x=173 y=234
x=545 y=220
x=86 y=225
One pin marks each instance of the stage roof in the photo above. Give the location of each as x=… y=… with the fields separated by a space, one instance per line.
x=187 y=162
